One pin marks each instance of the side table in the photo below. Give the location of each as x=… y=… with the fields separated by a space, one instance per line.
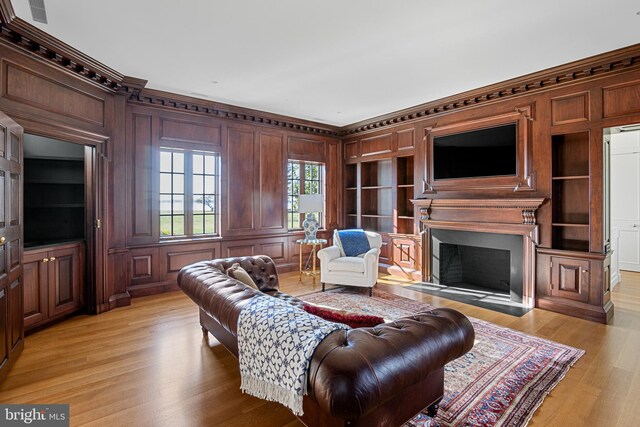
x=314 y=243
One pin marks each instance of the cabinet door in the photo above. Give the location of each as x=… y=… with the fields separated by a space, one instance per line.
x=4 y=342
x=570 y=278
x=35 y=287
x=65 y=281
x=404 y=253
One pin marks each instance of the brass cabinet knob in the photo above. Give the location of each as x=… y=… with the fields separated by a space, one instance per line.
x=45 y=259
x=52 y=258
x=2 y=240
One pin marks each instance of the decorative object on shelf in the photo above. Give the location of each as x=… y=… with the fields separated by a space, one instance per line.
x=310 y=204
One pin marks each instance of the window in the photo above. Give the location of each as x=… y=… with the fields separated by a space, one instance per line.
x=189 y=192
x=302 y=178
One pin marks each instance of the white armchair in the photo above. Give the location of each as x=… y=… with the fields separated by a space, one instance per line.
x=338 y=269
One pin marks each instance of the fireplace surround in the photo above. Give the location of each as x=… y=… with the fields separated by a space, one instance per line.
x=513 y=218
x=485 y=260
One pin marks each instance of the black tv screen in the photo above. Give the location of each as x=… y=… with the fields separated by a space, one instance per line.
x=478 y=153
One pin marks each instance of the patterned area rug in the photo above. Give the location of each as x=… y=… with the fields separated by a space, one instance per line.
x=500 y=382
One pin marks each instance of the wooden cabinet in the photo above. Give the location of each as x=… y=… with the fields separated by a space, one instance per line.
x=53 y=283
x=574 y=283
x=570 y=278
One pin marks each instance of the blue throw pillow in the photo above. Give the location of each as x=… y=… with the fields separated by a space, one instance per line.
x=354 y=242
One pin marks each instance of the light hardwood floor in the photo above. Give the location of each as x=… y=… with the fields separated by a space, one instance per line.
x=147 y=365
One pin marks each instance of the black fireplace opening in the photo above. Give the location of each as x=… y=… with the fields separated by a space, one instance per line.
x=478 y=268
x=474 y=266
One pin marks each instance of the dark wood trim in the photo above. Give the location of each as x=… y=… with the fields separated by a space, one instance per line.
x=601 y=65
x=157 y=98
x=522 y=180
x=29 y=38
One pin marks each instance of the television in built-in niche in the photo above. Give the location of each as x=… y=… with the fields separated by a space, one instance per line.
x=486 y=152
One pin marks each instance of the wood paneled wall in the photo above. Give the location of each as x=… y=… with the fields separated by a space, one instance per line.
x=128 y=257
x=54 y=90
x=253 y=204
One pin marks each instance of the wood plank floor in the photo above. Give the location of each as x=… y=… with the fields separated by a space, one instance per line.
x=147 y=365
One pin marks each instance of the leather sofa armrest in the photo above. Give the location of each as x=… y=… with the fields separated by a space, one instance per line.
x=353 y=372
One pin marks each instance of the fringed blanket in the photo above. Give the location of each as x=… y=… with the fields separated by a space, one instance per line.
x=275 y=343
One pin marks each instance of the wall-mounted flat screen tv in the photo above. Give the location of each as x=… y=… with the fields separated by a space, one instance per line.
x=477 y=153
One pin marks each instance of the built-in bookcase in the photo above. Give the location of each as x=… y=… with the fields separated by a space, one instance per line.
x=378 y=195
x=404 y=222
x=570 y=198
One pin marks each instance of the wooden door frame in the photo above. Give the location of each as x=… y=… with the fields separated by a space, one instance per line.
x=95 y=292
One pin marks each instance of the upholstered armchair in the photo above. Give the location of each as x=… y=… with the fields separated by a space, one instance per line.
x=338 y=269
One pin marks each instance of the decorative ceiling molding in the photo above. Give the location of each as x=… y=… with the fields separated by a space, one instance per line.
x=27 y=37
x=604 y=64
x=185 y=103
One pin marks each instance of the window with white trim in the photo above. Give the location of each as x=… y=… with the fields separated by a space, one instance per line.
x=189 y=193
x=302 y=178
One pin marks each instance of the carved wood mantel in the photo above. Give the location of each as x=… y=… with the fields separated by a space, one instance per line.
x=503 y=216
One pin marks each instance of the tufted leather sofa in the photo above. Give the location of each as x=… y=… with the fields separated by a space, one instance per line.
x=380 y=376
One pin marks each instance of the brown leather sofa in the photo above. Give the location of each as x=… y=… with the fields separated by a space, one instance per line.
x=380 y=376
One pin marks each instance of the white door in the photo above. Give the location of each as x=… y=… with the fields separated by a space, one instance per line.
x=625 y=197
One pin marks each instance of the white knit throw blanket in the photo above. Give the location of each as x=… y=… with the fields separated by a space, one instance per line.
x=275 y=343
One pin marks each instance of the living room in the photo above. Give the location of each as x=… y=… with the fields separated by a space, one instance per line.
x=158 y=136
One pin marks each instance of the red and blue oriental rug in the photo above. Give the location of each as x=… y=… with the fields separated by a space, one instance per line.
x=500 y=382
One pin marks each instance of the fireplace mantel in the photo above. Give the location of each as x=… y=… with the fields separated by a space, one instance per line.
x=501 y=211
x=503 y=216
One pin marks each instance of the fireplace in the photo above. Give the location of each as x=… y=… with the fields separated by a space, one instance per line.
x=484 y=233
x=476 y=260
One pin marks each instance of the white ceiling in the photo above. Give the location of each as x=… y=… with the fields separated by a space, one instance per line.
x=336 y=61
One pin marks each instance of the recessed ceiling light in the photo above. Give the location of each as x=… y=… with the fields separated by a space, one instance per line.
x=215 y=82
x=338 y=112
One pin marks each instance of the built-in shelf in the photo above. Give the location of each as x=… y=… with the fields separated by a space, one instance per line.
x=570 y=201
x=375 y=216
x=405 y=217
x=42 y=181
x=351 y=188
x=562 y=178
x=385 y=187
x=405 y=185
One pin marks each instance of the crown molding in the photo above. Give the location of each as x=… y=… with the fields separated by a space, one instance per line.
x=605 y=64
x=29 y=38
x=169 y=100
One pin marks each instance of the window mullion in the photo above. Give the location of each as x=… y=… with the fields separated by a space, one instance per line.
x=188 y=193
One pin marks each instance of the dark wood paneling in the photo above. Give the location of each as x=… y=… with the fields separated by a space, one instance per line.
x=240 y=180
x=621 y=99
x=30 y=88
x=377 y=145
x=238 y=249
x=65 y=280
x=306 y=149
x=333 y=188
x=272 y=182
x=141 y=266
x=572 y=108
x=177 y=260
x=35 y=287
x=15 y=313
x=352 y=149
x=4 y=310
x=142 y=197
x=184 y=131
x=277 y=251
x=406 y=139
